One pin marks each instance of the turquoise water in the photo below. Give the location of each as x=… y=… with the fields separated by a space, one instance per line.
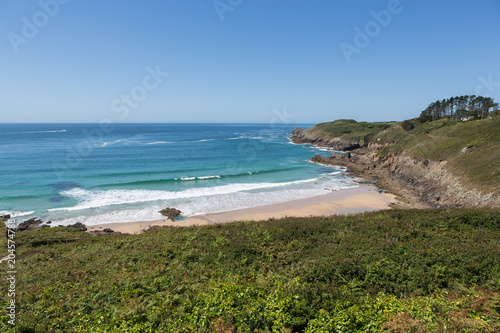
x=94 y=174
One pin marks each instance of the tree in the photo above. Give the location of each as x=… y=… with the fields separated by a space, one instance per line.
x=460 y=106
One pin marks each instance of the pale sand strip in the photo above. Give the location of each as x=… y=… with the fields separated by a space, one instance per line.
x=360 y=199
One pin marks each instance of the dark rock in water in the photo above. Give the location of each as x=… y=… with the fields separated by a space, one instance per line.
x=29 y=224
x=58 y=199
x=5 y=217
x=171 y=213
x=48 y=222
x=64 y=185
x=105 y=232
x=78 y=226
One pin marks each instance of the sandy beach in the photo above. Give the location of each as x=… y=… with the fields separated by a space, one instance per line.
x=349 y=201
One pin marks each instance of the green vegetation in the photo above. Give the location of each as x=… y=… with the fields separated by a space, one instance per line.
x=477 y=107
x=51 y=233
x=349 y=130
x=471 y=148
x=395 y=270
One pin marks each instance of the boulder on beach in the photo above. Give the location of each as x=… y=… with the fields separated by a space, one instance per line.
x=29 y=224
x=78 y=226
x=170 y=213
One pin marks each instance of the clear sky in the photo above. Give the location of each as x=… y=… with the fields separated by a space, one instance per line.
x=242 y=60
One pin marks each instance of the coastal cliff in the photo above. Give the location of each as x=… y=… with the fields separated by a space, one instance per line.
x=433 y=165
x=301 y=136
x=342 y=134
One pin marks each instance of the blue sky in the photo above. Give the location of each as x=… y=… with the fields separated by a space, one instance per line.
x=86 y=61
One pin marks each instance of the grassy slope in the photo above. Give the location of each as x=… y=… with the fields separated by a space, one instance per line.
x=348 y=130
x=440 y=140
x=390 y=269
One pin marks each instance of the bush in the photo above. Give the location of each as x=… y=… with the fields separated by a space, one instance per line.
x=407 y=125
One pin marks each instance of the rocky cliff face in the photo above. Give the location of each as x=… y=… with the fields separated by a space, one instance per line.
x=421 y=184
x=301 y=136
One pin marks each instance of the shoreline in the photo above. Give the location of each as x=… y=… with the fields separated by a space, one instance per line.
x=360 y=199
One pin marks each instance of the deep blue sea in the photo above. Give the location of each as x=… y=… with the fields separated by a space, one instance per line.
x=96 y=174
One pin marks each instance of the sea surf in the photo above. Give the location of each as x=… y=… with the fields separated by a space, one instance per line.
x=59 y=172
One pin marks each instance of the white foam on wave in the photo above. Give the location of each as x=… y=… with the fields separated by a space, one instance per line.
x=128 y=142
x=204 y=140
x=208 y=177
x=16 y=213
x=243 y=137
x=299 y=144
x=107 y=143
x=213 y=202
x=158 y=142
x=98 y=198
x=338 y=167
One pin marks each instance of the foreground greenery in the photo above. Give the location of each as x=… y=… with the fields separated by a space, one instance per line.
x=399 y=271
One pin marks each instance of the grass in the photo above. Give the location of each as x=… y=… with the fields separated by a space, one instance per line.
x=478 y=167
x=414 y=270
x=349 y=130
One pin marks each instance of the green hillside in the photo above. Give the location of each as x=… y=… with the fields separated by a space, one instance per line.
x=477 y=166
x=397 y=270
x=348 y=129
x=471 y=148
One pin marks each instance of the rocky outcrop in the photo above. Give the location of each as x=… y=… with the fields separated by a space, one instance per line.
x=302 y=136
x=29 y=224
x=36 y=223
x=170 y=213
x=78 y=226
x=4 y=217
x=420 y=184
x=297 y=131
x=105 y=232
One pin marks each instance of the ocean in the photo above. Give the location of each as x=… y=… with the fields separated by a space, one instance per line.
x=98 y=173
